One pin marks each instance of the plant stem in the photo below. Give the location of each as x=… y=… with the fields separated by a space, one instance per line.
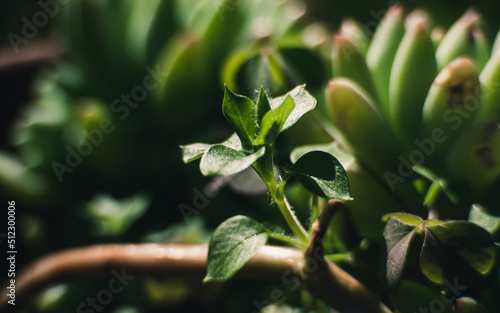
x=315 y=211
x=292 y=240
x=265 y=167
x=333 y=285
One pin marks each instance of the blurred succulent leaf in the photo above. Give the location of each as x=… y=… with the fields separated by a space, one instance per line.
x=412 y=73
x=349 y=62
x=222 y=160
x=474 y=158
x=464 y=38
x=489 y=111
x=382 y=50
x=163 y=25
x=455 y=94
x=182 y=66
x=234 y=64
x=357 y=124
x=139 y=24
x=233 y=244
x=354 y=31
x=322 y=174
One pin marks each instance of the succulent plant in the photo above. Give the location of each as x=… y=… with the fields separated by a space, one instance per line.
x=417 y=109
x=414 y=107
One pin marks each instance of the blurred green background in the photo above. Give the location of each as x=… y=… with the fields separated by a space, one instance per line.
x=92 y=58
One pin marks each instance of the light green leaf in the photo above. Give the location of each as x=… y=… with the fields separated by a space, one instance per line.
x=410 y=219
x=233 y=244
x=304 y=103
x=322 y=174
x=233 y=142
x=194 y=151
x=222 y=160
x=273 y=121
x=111 y=217
x=241 y=113
x=485 y=219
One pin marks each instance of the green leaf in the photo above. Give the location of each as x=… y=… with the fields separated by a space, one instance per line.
x=470 y=241
x=272 y=123
x=194 y=151
x=304 y=103
x=409 y=219
x=233 y=244
x=240 y=111
x=322 y=174
x=112 y=217
x=233 y=142
x=430 y=257
x=485 y=219
x=331 y=148
x=263 y=105
x=398 y=236
x=222 y=160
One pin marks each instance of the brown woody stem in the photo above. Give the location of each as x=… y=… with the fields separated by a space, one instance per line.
x=271 y=263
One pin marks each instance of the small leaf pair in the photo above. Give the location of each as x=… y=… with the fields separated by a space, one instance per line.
x=441 y=246
x=256 y=127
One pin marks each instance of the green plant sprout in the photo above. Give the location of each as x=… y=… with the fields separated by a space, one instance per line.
x=257 y=125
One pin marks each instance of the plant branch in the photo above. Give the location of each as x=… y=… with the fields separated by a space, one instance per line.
x=265 y=168
x=325 y=275
x=272 y=263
